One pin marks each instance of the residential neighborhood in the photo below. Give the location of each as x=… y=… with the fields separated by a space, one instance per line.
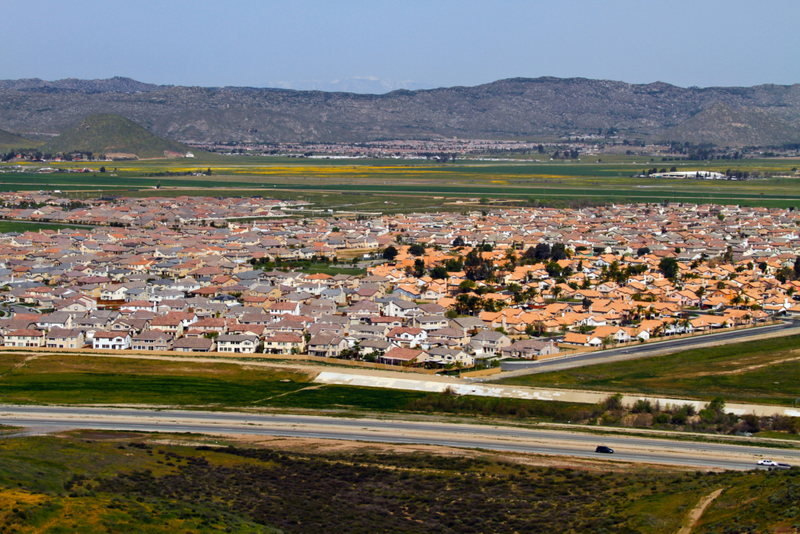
x=438 y=290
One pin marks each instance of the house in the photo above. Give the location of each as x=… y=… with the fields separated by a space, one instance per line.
x=237 y=343
x=585 y=340
x=615 y=333
x=62 y=338
x=401 y=356
x=489 y=343
x=80 y=303
x=431 y=322
x=54 y=320
x=530 y=349
x=468 y=324
x=152 y=340
x=193 y=344
x=327 y=345
x=450 y=356
x=284 y=308
x=24 y=338
x=170 y=323
x=447 y=336
x=407 y=337
x=284 y=344
x=111 y=340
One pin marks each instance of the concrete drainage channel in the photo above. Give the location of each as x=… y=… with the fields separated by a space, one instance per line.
x=519 y=392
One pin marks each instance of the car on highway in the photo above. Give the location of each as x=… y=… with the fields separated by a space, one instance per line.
x=780 y=466
x=604 y=449
x=766 y=462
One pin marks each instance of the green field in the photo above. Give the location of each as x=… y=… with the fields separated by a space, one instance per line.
x=96 y=481
x=763 y=372
x=402 y=185
x=86 y=380
x=25 y=226
x=70 y=379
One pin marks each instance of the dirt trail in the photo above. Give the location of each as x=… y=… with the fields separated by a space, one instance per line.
x=21 y=364
x=697 y=512
x=745 y=369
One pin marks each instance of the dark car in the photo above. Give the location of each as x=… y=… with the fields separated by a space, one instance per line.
x=604 y=449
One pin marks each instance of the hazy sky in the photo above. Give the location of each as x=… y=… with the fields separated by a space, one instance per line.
x=438 y=43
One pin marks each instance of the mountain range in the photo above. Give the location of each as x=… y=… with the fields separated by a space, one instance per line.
x=522 y=108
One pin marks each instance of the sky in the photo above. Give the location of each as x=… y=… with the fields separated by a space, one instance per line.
x=432 y=43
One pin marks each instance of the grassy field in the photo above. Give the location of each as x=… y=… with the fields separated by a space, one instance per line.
x=86 y=380
x=315 y=267
x=70 y=379
x=24 y=226
x=400 y=185
x=765 y=371
x=125 y=482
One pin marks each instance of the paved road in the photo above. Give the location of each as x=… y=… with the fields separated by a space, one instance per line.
x=645 y=350
x=499 y=438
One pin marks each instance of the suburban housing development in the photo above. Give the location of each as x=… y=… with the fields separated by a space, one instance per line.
x=441 y=290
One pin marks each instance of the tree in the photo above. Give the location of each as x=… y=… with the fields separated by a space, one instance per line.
x=669 y=268
x=416 y=249
x=419 y=267
x=556 y=291
x=553 y=269
x=558 y=252
x=439 y=272
x=542 y=252
x=390 y=253
x=641 y=251
x=458 y=241
x=466 y=286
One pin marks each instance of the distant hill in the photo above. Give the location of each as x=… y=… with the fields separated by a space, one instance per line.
x=112 y=134
x=362 y=85
x=9 y=141
x=115 y=85
x=725 y=125
x=513 y=108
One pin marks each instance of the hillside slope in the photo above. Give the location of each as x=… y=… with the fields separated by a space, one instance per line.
x=107 y=134
x=723 y=124
x=9 y=141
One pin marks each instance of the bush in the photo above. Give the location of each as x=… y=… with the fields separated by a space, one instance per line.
x=642 y=406
x=661 y=419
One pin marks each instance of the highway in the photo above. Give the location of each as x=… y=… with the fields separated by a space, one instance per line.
x=46 y=419
x=644 y=350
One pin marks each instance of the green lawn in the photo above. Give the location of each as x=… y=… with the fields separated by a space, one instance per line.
x=765 y=371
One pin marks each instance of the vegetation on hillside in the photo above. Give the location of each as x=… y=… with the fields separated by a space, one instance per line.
x=111 y=134
x=102 y=481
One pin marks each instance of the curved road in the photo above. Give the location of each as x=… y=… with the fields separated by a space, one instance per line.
x=644 y=350
x=498 y=438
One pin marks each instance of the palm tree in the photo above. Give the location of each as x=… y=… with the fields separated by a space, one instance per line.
x=556 y=292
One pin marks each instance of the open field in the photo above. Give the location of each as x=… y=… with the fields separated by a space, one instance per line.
x=124 y=482
x=70 y=379
x=58 y=379
x=25 y=226
x=765 y=371
x=403 y=185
